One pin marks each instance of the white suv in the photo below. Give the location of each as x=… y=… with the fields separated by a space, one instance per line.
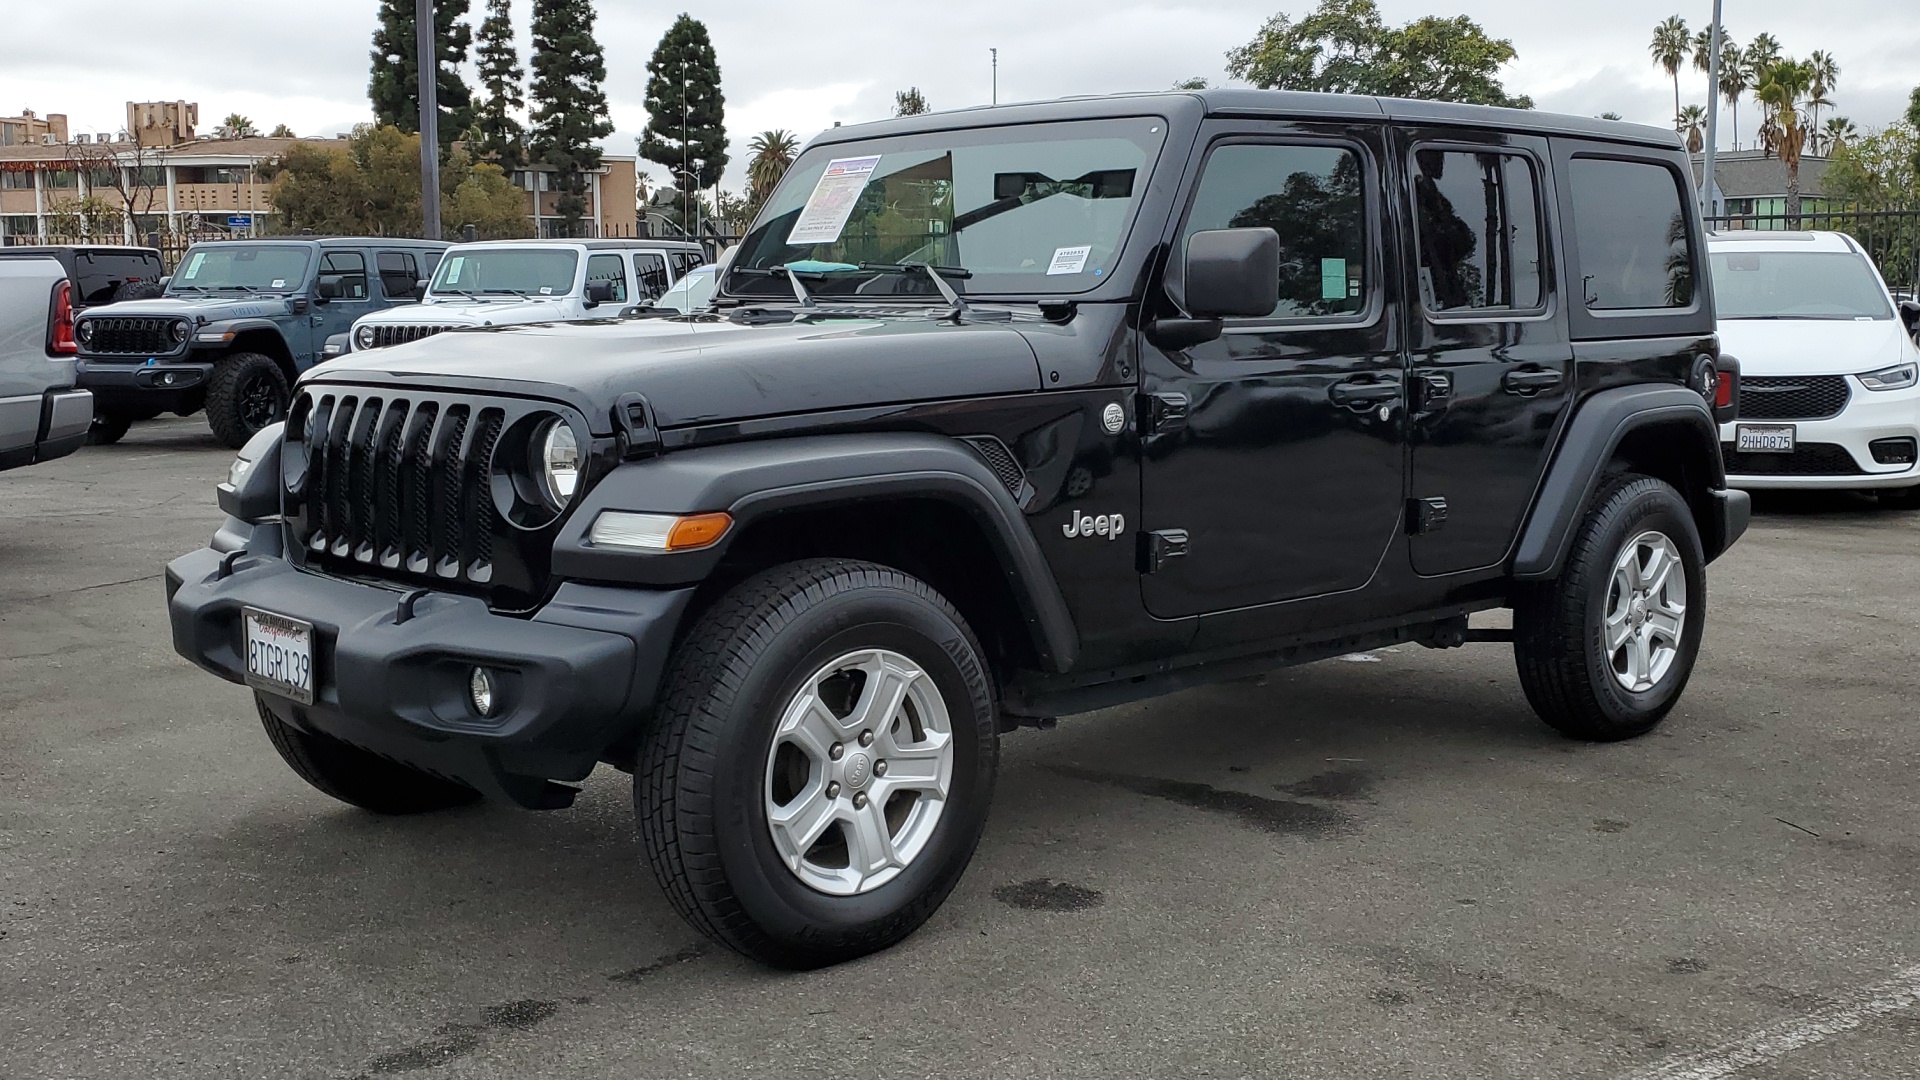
x=1829 y=376
x=514 y=282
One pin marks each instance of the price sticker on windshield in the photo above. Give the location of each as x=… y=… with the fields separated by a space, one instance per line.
x=1069 y=260
x=825 y=216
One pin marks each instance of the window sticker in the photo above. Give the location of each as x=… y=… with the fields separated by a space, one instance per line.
x=1333 y=279
x=825 y=215
x=1069 y=260
x=454 y=266
x=278 y=283
x=546 y=290
x=193 y=265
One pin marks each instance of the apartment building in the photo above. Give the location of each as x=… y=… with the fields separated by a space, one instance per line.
x=157 y=175
x=28 y=128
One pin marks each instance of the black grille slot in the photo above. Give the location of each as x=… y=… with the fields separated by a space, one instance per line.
x=1810 y=397
x=1001 y=461
x=142 y=335
x=384 y=336
x=1807 y=459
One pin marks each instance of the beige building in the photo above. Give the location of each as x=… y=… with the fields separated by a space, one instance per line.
x=180 y=184
x=28 y=128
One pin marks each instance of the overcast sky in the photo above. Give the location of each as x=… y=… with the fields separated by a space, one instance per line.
x=802 y=66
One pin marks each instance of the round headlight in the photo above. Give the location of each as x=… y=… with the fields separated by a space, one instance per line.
x=85 y=332
x=178 y=330
x=363 y=338
x=558 y=452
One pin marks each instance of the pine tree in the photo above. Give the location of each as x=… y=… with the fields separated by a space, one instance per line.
x=395 y=86
x=910 y=102
x=686 y=113
x=502 y=139
x=569 y=107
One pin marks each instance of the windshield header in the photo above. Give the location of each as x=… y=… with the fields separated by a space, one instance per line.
x=1037 y=208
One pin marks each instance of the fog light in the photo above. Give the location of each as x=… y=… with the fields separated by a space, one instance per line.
x=480 y=689
x=167 y=378
x=1892 y=451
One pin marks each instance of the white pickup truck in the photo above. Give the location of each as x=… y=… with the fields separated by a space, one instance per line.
x=514 y=282
x=42 y=416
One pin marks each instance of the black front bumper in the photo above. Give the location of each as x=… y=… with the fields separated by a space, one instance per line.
x=128 y=385
x=578 y=678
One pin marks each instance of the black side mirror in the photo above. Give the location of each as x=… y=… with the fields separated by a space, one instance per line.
x=1229 y=273
x=1910 y=314
x=326 y=289
x=599 y=292
x=420 y=289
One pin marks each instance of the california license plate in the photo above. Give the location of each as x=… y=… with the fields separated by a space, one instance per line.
x=1763 y=438
x=279 y=655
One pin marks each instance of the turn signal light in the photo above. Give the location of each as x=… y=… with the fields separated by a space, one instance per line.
x=658 y=532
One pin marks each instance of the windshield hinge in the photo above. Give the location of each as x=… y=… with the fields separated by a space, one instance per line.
x=633 y=419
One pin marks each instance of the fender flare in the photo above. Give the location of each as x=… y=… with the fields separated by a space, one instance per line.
x=756 y=480
x=1579 y=467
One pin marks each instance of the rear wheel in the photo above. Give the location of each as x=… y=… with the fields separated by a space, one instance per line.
x=355 y=776
x=1605 y=649
x=821 y=768
x=247 y=392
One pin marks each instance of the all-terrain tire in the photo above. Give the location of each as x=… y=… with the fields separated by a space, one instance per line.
x=704 y=779
x=1571 y=677
x=108 y=428
x=357 y=777
x=247 y=392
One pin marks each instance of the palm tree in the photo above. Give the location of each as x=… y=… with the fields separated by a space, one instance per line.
x=1735 y=80
x=1689 y=122
x=235 y=126
x=1761 y=55
x=1782 y=93
x=1669 y=49
x=1838 y=132
x=1826 y=77
x=772 y=154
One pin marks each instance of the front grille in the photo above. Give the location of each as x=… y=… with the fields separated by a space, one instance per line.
x=384 y=335
x=1807 y=459
x=138 y=335
x=400 y=486
x=1809 y=397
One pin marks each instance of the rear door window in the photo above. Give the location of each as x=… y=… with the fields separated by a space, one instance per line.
x=1631 y=231
x=610 y=269
x=399 y=274
x=650 y=270
x=1477 y=215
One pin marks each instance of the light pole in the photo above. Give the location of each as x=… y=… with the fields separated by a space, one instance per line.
x=996 y=75
x=685 y=176
x=429 y=119
x=1709 y=185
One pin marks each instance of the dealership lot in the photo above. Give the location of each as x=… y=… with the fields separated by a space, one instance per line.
x=1381 y=865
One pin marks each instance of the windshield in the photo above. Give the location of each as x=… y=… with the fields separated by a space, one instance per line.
x=506 y=272
x=1042 y=208
x=1796 y=285
x=244 y=267
x=690 y=293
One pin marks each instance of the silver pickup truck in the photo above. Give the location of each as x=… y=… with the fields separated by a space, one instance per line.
x=42 y=416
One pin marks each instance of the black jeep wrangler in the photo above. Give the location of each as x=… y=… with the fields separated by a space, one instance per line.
x=1001 y=415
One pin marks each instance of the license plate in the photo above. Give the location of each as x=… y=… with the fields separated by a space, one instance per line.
x=279 y=655
x=1763 y=438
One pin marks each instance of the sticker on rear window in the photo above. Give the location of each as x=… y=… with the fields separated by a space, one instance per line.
x=825 y=215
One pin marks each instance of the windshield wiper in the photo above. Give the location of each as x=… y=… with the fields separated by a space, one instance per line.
x=456 y=292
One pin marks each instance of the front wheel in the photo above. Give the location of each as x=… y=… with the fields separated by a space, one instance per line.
x=1605 y=649
x=247 y=392
x=108 y=428
x=822 y=764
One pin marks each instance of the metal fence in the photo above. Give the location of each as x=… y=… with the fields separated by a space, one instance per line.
x=1890 y=236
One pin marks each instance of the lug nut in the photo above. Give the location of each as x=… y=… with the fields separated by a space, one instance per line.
x=880 y=768
x=859 y=800
x=833 y=789
x=866 y=738
x=835 y=751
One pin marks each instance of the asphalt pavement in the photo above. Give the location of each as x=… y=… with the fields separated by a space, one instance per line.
x=1376 y=866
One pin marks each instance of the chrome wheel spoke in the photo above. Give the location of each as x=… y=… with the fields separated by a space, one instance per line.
x=1666 y=626
x=1619 y=629
x=799 y=825
x=869 y=842
x=920 y=768
x=887 y=684
x=810 y=725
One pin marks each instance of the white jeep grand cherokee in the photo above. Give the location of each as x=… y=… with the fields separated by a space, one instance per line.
x=1830 y=376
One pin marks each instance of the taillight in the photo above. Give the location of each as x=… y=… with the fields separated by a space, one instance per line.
x=1723 y=394
x=63 y=341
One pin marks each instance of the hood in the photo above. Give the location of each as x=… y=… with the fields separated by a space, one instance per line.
x=462 y=312
x=209 y=308
x=706 y=371
x=1814 y=346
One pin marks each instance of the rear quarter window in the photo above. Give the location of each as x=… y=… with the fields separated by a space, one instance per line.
x=98 y=276
x=1631 y=229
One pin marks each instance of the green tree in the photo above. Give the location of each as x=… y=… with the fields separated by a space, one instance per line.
x=1880 y=171
x=1196 y=82
x=1913 y=121
x=235 y=126
x=1734 y=81
x=501 y=137
x=318 y=187
x=1690 y=123
x=1343 y=47
x=389 y=161
x=1784 y=91
x=1835 y=134
x=772 y=154
x=686 y=112
x=569 y=105
x=281 y=131
x=91 y=218
x=910 y=102
x=485 y=199
x=1825 y=77
x=395 y=86
x=1670 y=46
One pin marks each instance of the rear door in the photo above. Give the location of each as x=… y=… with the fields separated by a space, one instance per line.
x=1276 y=452
x=609 y=268
x=1492 y=368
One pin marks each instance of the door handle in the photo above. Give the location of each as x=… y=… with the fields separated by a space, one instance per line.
x=1531 y=380
x=1362 y=395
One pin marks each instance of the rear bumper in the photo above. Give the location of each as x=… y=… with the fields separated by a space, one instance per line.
x=43 y=427
x=577 y=678
x=140 y=387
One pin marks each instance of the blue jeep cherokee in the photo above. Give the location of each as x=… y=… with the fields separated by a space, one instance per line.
x=239 y=321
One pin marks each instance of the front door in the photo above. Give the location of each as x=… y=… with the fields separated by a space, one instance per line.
x=347 y=272
x=1492 y=367
x=1277 y=449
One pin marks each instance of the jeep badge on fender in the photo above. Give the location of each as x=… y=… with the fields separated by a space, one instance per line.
x=1107 y=525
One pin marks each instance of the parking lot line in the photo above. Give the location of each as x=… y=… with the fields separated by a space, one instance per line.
x=1775 y=1041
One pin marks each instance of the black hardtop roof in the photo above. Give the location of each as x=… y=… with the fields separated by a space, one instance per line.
x=331 y=241
x=1266 y=104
